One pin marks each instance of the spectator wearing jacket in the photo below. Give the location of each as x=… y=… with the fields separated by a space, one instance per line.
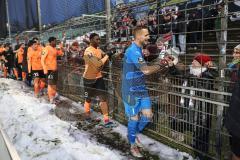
x=232 y=121
x=195 y=26
x=181 y=31
x=167 y=25
x=195 y=115
x=203 y=75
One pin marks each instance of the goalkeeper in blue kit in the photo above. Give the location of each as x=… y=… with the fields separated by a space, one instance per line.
x=135 y=96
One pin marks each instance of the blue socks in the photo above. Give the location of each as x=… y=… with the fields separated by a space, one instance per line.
x=135 y=127
x=132 y=131
x=142 y=123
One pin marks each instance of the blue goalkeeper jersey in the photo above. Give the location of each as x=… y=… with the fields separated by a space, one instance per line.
x=133 y=80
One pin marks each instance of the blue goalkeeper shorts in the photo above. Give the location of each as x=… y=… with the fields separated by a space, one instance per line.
x=141 y=103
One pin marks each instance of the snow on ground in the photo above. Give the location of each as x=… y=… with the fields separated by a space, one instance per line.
x=38 y=134
x=155 y=147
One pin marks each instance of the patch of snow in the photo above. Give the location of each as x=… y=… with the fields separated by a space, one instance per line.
x=39 y=135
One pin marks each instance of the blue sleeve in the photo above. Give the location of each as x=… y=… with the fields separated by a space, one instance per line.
x=136 y=58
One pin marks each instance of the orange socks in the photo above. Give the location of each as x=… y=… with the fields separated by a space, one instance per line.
x=15 y=73
x=104 y=108
x=24 y=76
x=36 y=86
x=5 y=73
x=51 y=91
x=42 y=84
x=87 y=107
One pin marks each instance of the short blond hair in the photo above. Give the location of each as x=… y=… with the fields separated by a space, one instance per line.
x=137 y=29
x=237 y=48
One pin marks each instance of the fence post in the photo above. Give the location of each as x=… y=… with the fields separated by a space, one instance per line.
x=222 y=63
x=111 y=88
x=108 y=14
x=39 y=18
x=8 y=23
x=223 y=33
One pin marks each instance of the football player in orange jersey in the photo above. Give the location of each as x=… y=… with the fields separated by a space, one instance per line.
x=94 y=85
x=19 y=57
x=35 y=68
x=49 y=62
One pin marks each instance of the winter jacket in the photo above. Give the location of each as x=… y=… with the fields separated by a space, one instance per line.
x=166 y=27
x=195 y=22
x=232 y=120
x=181 y=23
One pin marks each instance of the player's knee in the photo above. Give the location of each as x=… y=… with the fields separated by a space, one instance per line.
x=147 y=113
x=134 y=118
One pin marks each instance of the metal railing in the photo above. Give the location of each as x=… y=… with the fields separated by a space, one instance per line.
x=188 y=111
x=7 y=150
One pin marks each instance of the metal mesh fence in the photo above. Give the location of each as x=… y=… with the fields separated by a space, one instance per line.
x=190 y=27
x=188 y=110
x=185 y=115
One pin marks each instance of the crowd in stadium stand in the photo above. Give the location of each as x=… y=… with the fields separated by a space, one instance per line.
x=184 y=23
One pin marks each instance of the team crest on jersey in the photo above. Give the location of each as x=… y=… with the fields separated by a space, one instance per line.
x=43 y=52
x=90 y=55
x=140 y=60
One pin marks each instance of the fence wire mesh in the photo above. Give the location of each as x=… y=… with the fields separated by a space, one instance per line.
x=188 y=110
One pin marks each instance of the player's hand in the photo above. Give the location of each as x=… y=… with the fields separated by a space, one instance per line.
x=163 y=63
x=45 y=72
x=170 y=60
x=164 y=66
x=110 y=54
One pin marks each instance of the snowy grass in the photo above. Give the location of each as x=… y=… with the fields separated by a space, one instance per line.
x=37 y=134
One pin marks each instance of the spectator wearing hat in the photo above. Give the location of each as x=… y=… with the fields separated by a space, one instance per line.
x=235 y=64
x=202 y=73
x=201 y=66
x=195 y=115
x=73 y=56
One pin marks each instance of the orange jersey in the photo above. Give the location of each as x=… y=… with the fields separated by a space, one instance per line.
x=2 y=50
x=93 y=63
x=20 y=53
x=40 y=48
x=34 y=59
x=49 y=58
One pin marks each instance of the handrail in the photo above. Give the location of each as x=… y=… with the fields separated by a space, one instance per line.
x=7 y=150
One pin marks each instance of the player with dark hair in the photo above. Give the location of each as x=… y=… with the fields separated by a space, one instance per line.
x=49 y=63
x=95 y=59
x=35 y=68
